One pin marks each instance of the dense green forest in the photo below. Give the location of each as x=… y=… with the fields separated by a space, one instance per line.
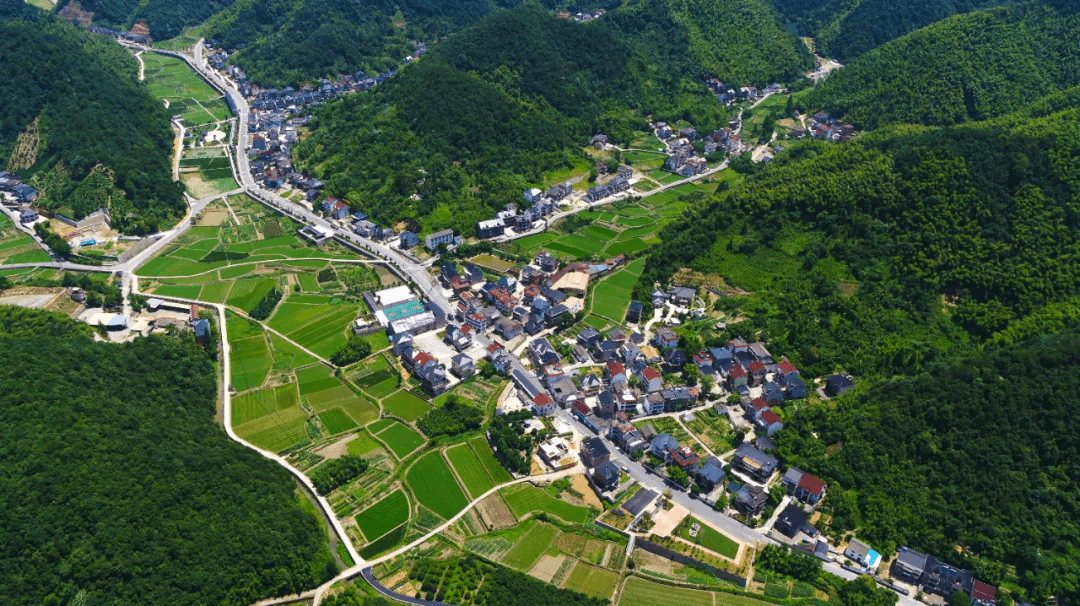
x=101 y=137
x=969 y=67
x=165 y=18
x=293 y=41
x=119 y=487
x=845 y=29
x=980 y=453
x=740 y=41
x=906 y=245
x=486 y=113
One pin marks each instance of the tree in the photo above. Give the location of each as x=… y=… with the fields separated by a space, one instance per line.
x=691 y=374
x=707 y=382
x=677 y=475
x=355 y=349
x=959 y=598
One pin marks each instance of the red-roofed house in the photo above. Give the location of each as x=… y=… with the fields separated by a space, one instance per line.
x=580 y=409
x=477 y=321
x=684 y=457
x=616 y=372
x=421 y=359
x=787 y=367
x=543 y=405
x=651 y=379
x=983 y=594
x=771 y=421
x=736 y=376
x=703 y=361
x=757 y=371
x=810 y=489
x=754 y=408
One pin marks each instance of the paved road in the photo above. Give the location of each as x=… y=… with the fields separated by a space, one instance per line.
x=370 y=578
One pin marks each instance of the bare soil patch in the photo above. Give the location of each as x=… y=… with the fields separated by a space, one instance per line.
x=546 y=567
x=581 y=485
x=494 y=512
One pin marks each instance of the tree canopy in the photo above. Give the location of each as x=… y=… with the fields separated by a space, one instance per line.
x=102 y=139
x=969 y=67
x=119 y=487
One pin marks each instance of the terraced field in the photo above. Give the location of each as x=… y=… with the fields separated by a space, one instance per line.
x=434 y=485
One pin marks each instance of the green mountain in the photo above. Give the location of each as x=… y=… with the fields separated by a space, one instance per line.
x=740 y=41
x=293 y=41
x=969 y=67
x=845 y=29
x=898 y=248
x=979 y=454
x=119 y=487
x=73 y=110
x=165 y=18
x=486 y=113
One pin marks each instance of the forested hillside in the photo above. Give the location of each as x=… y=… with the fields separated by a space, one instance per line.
x=969 y=67
x=165 y=18
x=486 y=113
x=741 y=41
x=899 y=248
x=980 y=453
x=119 y=488
x=845 y=29
x=90 y=111
x=292 y=41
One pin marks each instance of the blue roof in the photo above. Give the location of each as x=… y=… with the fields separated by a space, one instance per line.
x=664 y=442
x=201 y=327
x=712 y=473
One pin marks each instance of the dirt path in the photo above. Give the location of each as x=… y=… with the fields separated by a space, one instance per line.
x=142 y=66
x=225 y=199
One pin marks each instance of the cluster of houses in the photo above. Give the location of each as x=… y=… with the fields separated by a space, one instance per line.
x=19 y=196
x=581 y=17
x=541 y=204
x=423 y=365
x=131 y=36
x=617 y=184
x=271 y=152
x=823 y=126
x=682 y=158
x=925 y=572
x=729 y=96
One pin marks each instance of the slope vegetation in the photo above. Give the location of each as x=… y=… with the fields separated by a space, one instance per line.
x=979 y=453
x=486 y=112
x=292 y=41
x=740 y=41
x=118 y=487
x=969 y=67
x=899 y=248
x=81 y=93
x=845 y=29
x=165 y=18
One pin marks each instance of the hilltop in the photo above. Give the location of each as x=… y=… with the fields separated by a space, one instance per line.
x=486 y=113
x=969 y=67
x=84 y=115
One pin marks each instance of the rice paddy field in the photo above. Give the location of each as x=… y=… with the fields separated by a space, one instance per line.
x=406 y=405
x=188 y=96
x=18 y=247
x=526 y=498
x=434 y=486
x=468 y=467
x=401 y=439
x=383 y=516
x=610 y=297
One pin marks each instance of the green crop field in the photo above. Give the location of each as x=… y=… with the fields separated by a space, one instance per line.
x=326 y=335
x=592 y=580
x=524 y=498
x=229 y=273
x=625 y=247
x=580 y=242
x=215 y=292
x=600 y=233
x=382 y=517
x=560 y=247
x=434 y=486
x=261 y=402
x=336 y=421
x=712 y=540
x=276 y=431
x=401 y=439
x=171 y=79
x=363 y=444
x=486 y=456
x=470 y=470
x=380 y=425
x=308 y=283
x=639 y=592
x=406 y=405
x=247 y=292
x=341 y=396
x=250 y=362
x=530 y=546
x=175 y=290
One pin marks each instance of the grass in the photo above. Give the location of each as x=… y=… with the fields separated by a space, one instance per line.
x=530 y=547
x=711 y=539
x=406 y=405
x=639 y=592
x=401 y=439
x=434 y=486
x=470 y=470
x=384 y=516
x=592 y=580
x=250 y=362
x=487 y=458
x=525 y=498
x=336 y=421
